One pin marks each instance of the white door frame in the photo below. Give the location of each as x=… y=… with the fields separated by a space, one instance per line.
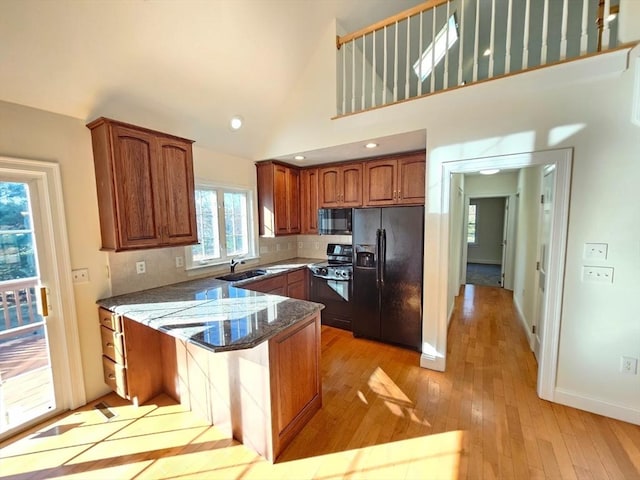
x=436 y=255
x=62 y=299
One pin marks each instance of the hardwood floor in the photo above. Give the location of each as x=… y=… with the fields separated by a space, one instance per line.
x=382 y=417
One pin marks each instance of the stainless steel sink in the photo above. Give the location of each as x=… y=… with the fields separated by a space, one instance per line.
x=234 y=277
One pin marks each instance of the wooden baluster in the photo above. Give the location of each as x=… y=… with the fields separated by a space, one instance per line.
x=30 y=299
x=353 y=75
x=407 y=72
x=475 y=45
x=5 y=309
x=565 y=19
x=432 y=88
x=364 y=71
x=373 y=72
x=395 y=65
x=343 y=50
x=606 y=32
x=545 y=33
x=16 y=297
x=584 y=37
x=445 y=80
x=461 y=46
x=493 y=37
x=507 y=58
x=525 y=41
x=420 y=59
x=384 y=69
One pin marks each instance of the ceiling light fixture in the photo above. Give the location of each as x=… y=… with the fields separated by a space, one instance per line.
x=612 y=17
x=371 y=145
x=489 y=171
x=487 y=52
x=299 y=157
x=236 y=122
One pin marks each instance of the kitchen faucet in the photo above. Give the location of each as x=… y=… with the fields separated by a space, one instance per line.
x=235 y=262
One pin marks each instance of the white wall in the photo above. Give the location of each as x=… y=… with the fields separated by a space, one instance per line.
x=504 y=183
x=584 y=105
x=527 y=244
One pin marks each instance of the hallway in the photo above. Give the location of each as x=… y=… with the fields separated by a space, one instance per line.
x=382 y=417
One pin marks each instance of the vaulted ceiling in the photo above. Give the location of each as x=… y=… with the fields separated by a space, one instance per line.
x=184 y=67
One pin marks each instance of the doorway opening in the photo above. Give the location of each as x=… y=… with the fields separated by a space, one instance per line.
x=444 y=255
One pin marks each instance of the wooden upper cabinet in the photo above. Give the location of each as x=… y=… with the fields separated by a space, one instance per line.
x=145 y=187
x=278 y=199
x=309 y=200
x=411 y=178
x=340 y=186
x=395 y=180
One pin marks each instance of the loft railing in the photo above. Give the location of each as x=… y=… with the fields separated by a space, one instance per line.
x=441 y=44
x=18 y=304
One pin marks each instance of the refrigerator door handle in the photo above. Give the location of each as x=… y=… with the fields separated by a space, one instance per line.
x=378 y=235
x=383 y=254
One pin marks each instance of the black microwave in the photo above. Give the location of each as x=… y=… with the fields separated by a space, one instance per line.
x=334 y=221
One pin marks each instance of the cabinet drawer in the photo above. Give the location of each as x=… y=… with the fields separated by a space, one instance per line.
x=110 y=320
x=275 y=284
x=115 y=375
x=112 y=345
x=297 y=276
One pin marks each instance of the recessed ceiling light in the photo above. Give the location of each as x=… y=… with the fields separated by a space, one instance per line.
x=299 y=157
x=371 y=145
x=489 y=171
x=236 y=122
x=487 y=52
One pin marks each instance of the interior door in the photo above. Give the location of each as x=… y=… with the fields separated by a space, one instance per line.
x=544 y=231
x=27 y=381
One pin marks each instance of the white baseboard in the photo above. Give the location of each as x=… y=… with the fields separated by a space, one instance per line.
x=432 y=362
x=523 y=322
x=485 y=261
x=596 y=405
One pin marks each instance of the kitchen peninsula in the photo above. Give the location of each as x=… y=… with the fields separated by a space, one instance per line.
x=248 y=362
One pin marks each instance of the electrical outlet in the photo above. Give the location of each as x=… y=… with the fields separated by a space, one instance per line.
x=595 y=251
x=141 y=267
x=300 y=245
x=629 y=365
x=179 y=261
x=597 y=274
x=80 y=275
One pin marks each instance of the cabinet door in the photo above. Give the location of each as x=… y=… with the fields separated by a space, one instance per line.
x=293 y=201
x=179 y=200
x=280 y=196
x=136 y=178
x=411 y=177
x=309 y=196
x=352 y=185
x=330 y=187
x=380 y=179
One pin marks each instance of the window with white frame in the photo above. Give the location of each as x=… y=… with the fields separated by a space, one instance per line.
x=225 y=226
x=472 y=224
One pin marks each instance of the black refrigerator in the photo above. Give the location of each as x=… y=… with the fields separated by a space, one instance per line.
x=387 y=274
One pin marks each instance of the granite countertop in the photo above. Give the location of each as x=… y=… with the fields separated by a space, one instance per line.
x=216 y=314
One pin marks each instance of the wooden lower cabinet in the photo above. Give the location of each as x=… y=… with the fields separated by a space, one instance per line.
x=293 y=284
x=261 y=396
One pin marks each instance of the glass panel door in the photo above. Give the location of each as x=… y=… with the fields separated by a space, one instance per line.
x=26 y=380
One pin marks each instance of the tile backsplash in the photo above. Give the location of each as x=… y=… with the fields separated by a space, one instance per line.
x=161 y=267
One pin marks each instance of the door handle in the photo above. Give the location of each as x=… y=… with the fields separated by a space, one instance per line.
x=377 y=260
x=383 y=255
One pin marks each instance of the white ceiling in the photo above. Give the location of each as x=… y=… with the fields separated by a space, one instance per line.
x=184 y=67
